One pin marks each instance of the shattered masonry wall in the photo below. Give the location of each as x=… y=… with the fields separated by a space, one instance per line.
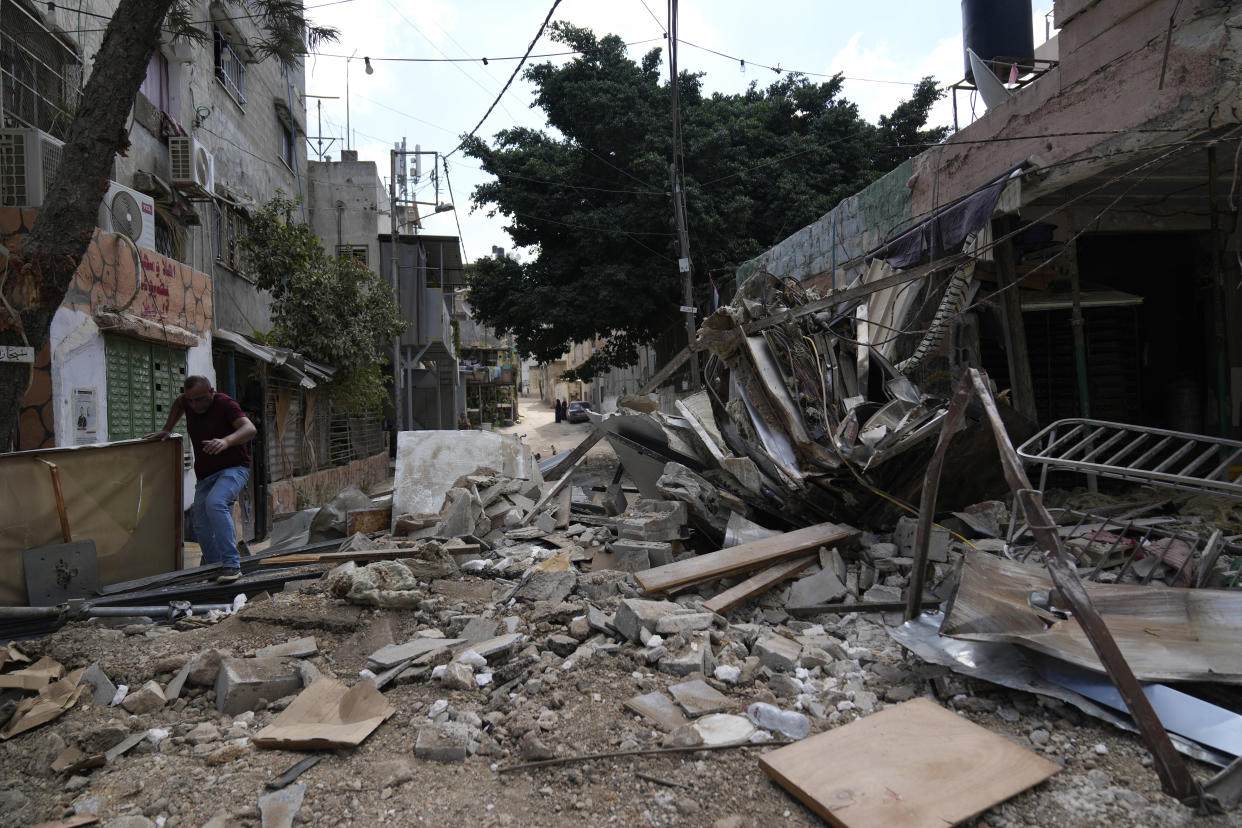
x=317 y=488
x=170 y=293
x=857 y=224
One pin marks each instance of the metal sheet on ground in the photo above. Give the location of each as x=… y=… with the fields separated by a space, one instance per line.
x=1165 y=633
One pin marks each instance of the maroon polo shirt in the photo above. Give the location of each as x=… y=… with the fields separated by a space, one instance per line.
x=216 y=422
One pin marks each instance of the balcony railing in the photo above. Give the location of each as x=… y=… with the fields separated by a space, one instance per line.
x=230 y=68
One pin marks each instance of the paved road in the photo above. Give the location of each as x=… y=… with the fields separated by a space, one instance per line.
x=547 y=437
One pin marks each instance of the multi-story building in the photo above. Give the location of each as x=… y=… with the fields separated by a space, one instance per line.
x=214 y=132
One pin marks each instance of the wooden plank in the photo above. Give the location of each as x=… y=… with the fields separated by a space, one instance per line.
x=670 y=367
x=757 y=583
x=337 y=557
x=915 y=765
x=741 y=558
x=570 y=460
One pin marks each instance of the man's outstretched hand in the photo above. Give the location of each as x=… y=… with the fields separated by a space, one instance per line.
x=157 y=435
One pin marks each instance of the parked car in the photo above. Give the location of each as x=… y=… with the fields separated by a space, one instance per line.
x=578 y=411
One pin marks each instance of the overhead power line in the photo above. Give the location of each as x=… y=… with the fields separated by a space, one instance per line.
x=509 y=82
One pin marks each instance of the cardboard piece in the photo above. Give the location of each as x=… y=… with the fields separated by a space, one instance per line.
x=11 y=653
x=35 y=677
x=52 y=701
x=916 y=765
x=326 y=716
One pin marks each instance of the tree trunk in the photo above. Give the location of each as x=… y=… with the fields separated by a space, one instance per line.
x=41 y=269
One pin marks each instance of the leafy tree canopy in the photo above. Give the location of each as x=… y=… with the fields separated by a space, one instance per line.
x=335 y=311
x=592 y=195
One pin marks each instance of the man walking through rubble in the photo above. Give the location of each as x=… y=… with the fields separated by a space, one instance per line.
x=219 y=431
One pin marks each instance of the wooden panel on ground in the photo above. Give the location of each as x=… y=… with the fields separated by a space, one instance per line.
x=915 y=765
x=340 y=557
x=757 y=583
x=368 y=521
x=742 y=558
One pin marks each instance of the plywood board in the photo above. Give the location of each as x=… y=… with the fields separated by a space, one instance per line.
x=758 y=583
x=742 y=558
x=915 y=765
x=1165 y=633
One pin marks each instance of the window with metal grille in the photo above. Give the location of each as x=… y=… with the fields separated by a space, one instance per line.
x=40 y=74
x=230 y=227
x=143 y=379
x=230 y=67
x=288 y=142
x=356 y=251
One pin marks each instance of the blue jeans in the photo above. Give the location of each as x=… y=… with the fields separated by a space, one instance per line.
x=212 y=514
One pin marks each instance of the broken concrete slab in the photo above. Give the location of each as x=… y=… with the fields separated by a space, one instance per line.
x=493 y=648
x=553 y=587
x=777 y=652
x=658 y=708
x=938 y=542
x=653 y=520
x=630 y=560
x=391 y=655
x=304 y=647
x=244 y=682
x=429 y=463
x=679 y=622
x=147 y=699
x=696 y=657
x=104 y=689
x=635 y=614
x=824 y=587
x=698 y=698
x=658 y=553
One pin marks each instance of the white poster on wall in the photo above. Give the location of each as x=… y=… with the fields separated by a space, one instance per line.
x=85 y=417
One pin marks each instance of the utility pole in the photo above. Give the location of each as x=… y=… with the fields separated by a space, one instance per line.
x=679 y=203
x=398 y=372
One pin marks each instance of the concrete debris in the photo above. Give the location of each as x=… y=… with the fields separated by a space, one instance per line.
x=253 y=683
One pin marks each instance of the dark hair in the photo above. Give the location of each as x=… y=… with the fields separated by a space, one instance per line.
x=194 y=381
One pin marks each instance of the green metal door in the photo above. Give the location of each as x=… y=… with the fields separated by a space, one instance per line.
x=143 y=380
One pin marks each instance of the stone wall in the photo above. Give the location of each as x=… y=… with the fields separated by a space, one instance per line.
x=317 y=488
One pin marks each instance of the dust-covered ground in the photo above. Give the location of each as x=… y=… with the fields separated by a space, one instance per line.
x=564 y=700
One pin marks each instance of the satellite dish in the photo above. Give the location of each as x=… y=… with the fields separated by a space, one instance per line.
x=990 y=88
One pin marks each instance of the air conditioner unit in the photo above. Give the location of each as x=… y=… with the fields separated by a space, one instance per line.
x=128 y=213
x=28 y=161
x=193 y=168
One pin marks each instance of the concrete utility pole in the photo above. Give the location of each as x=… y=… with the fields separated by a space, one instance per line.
x=679 y=202
x=398 y=373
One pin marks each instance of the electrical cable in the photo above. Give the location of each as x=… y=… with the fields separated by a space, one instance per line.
x=509 y=82
x=461 y=240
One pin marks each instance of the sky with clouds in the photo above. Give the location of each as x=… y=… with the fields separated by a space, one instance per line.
x=882 y=48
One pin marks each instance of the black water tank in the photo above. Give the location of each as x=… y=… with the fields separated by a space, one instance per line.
x=997 y=28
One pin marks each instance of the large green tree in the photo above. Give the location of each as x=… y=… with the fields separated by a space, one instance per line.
x=35 y=275
x=591 y=194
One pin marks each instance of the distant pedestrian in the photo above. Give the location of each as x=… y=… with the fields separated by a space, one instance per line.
x=557 y=404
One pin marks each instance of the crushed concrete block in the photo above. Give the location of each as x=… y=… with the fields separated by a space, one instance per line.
x=630 y=560
x=479 y=629
x=701 y=497
x=204 y=668
x=147 y=699
x=658 y=552
x=357 y=542
x=824 y=587
x=304 y=647
x=443 y=742
x=653 y=520
x=697 y=657
x=547 y=586
x=683 y=622
x=458 y=676
x=600 y=621
x=242 y=683
x=777 y=652
x=634 y=614
x=279 y=808
x=698 y=698
x=494 y=648
x=937 y=546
